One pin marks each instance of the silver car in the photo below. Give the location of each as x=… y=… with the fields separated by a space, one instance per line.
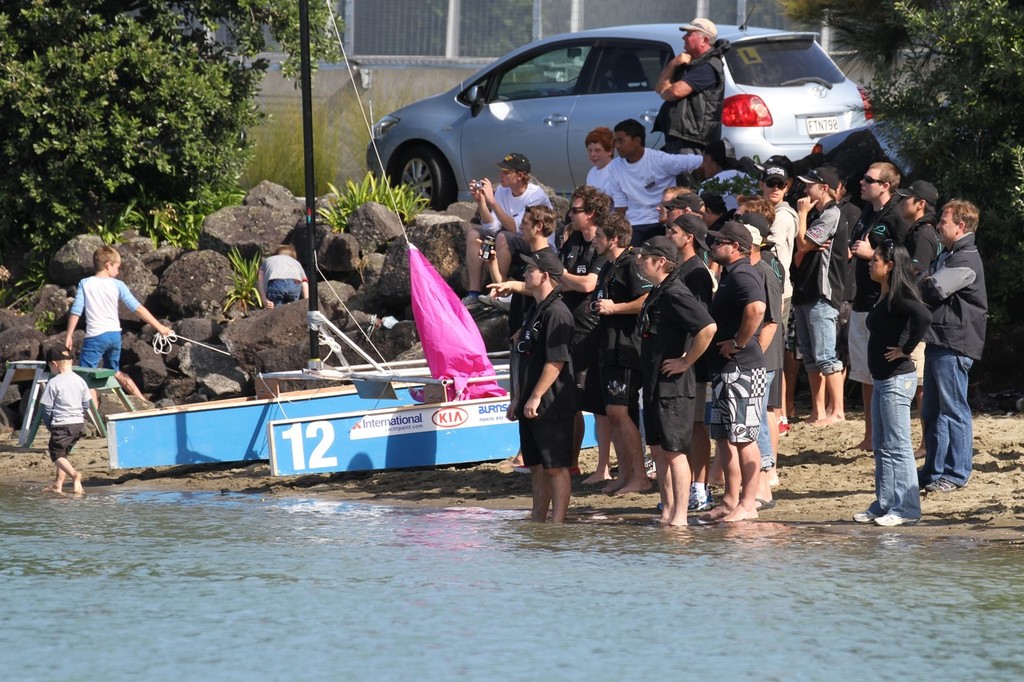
x=782 y=92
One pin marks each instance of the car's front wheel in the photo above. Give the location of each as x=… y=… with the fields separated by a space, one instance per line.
x=426 y=170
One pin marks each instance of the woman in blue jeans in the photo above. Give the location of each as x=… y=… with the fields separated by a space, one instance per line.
x=896 y=325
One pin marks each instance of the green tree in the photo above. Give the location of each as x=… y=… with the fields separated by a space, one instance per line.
x=104 y=102
x=949 y=80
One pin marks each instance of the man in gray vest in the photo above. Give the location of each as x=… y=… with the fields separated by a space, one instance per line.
x=693 y=86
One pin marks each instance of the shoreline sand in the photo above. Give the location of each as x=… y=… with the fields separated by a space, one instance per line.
x=824 y=481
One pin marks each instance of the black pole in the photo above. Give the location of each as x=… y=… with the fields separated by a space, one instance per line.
x=307 y=146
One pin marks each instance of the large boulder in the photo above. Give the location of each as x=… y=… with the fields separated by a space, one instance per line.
x=217 y=373
x=73 y=261
x=253 y=230
x=338 y=253
x=21 y=343
x=156 y=261
x=283 y=326
x=141 y=282
x=196 y=285
x=275 y=197
x=441 y=239
x=373 y=225
x=50 y=307
x=149 y=373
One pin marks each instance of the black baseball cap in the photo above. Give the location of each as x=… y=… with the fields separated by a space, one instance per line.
x=544 y=260
x=921 y=189
x=733 y=231
x=692 y=224
x=688 y=200
x=58 y=354
x=822 y=175
x=515 y=162
x=759 y=224
x=660 y=246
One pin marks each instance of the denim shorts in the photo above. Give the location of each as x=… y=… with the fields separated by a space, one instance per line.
x=280 y=291
x=105 y=347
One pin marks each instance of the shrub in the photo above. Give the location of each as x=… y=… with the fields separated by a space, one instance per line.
x=403 y=200
x=245 y=276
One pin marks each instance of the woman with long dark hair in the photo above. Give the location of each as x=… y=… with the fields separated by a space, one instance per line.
x=896 y=325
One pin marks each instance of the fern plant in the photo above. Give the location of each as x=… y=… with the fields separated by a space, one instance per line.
x=245 y=277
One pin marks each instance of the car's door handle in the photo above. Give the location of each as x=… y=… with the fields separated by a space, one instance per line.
x=649 y=116
x=555 y=119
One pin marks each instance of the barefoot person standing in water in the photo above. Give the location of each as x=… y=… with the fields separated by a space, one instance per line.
x=64 y=404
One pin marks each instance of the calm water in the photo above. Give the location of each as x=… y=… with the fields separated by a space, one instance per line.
x=171 y=586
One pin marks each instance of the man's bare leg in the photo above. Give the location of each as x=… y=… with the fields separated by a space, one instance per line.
x=865 y=392
x=560 y=487
x=790 y=370
x=834 y=390
x=726 y=454
x=541 y=494
x=629 y=450
x=773 y=432
x=58 y=484
x=699 y=456
x=749 y=461
x=128 y=385
x=579 y=429
x=604 y=447
x=474 y=266
x=678 y=490
x=818 y=412
x=503 y=255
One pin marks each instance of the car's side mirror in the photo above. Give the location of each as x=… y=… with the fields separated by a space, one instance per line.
x=475 y=100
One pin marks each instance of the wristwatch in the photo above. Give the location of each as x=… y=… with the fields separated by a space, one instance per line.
x=737 y=346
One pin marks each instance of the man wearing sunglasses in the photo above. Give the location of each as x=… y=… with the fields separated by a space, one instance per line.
x=881 y=219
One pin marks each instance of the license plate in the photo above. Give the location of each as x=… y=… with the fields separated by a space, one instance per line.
x=822 y=126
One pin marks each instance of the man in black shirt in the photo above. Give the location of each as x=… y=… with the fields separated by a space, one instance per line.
x=544 y=401
x=880 y=220
x=583 y=263
x=620 y=295
x=675 y=330
x=738 y=377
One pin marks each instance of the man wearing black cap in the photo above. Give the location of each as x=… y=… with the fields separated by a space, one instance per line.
x=689 y=234
x=721 y=175
x=501 y=212
x=693 y=86
x=819 y=271
x=675 y=330
x=544 y=401
x=738 y=377
x=917 y=206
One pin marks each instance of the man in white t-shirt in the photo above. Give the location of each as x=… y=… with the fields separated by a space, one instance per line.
x=640 y=176
x=500 y=211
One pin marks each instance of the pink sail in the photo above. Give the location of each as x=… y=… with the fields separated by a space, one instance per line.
x=451 y=340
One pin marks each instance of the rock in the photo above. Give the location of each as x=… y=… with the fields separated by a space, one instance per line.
x=198 y=329
x=11 y=319
x=196 y=285
x=12 y=396
x=50 y=307
x=136 y=246
x=21 y=343
x=253 y=230
x=178 y=389
x=156 y=261
x=443 y=244
x=73 y=261
x=217 y=373
x=373 y=226
x=333 y=300
x=275 y=197
x=338 y=253
x=463 y=210
x=148 y=373
x=141 y=282
x=283 y=327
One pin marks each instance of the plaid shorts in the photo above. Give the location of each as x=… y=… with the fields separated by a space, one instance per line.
x=737 y=399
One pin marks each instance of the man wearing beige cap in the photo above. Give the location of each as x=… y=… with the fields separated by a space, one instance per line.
x=693 y=86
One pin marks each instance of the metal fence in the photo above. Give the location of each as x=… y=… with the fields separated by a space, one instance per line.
x=475 y=31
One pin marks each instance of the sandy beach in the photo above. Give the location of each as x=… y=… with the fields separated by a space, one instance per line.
x=824 y=479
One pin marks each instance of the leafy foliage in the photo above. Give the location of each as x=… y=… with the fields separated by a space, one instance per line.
x=403 y=200
x=245 y=277
x=103 y=103
x=948 y=86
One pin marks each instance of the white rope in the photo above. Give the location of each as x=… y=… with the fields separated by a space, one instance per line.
x=162 y=344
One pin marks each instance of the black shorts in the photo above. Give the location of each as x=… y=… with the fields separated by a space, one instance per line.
x=590 y=397
x=62 y=439
x=773 y=399
x=548 y=442
x=621 y=386
x=668 y=422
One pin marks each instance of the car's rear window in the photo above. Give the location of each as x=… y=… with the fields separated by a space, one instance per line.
x=778 y=63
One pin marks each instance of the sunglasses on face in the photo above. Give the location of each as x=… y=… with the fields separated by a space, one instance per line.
x=774 y=183
x=867 y=179
x=577 y=209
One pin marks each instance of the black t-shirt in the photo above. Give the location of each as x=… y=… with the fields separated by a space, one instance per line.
x=923 y=243
x=580 y=258
x=822 y=274
x=699 y=280
x=621 y=282
x=741 y=285
x=519 y=305
x=903 y=327
x=547 y=337
x=671 y=317
x=876 y=227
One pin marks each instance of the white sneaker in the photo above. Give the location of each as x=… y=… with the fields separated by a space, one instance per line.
x=865 y=517
x=891 y=519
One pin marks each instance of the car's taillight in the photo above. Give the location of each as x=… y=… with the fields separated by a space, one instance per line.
x=745 y=111
x=868 y=113
x=817 y=148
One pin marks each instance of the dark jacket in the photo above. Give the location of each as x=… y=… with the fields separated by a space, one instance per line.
x=697 y=118
x=954 y=290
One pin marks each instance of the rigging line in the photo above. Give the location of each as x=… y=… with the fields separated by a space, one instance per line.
x=348 y=312
x=362 y=112
x=162 y=344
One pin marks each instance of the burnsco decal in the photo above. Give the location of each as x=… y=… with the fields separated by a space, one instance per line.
x=449 y=417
